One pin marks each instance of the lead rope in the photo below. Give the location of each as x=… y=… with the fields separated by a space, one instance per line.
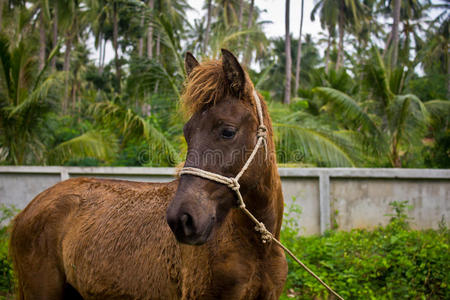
x=232 y=183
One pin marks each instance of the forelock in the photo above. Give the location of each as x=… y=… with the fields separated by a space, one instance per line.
x=206 y=85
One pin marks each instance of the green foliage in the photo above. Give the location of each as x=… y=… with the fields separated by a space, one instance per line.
x=391 y=262
x=352 y=108
x=6 y=271
x=430 y=87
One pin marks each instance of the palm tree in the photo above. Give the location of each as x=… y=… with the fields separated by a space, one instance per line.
x=299 y=52
x=395 y=31
x=99 y=26
x=389 y=125
x=2 y=4
x=328 y=20
x=410 y=14
x=208 y=25
x=344 y=13
x=434 y=55
x=128 y=125
x=241 y=13
x=43 y=17
x=115 y=22
x=151 y=6
x=247 y=51
x=287 y=90
x=26 y=98
x=303 y=139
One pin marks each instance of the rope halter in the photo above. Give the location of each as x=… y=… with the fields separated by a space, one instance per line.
x=233 y=182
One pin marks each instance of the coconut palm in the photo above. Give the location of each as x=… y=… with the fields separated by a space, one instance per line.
x=128 y=125
x=26 y=97
x=434 y=55
x=304 y=139
x=208 y=24
x=388 y=125
x=299 y=52
x=344 y=13
x=287 y=49
x=411 y=14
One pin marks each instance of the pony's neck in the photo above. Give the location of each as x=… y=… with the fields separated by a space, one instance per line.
x=265 y=201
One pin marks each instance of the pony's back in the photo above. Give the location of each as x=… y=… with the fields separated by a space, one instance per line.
x=96 y=238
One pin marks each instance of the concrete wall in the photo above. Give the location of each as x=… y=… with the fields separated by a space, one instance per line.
x=360 y=197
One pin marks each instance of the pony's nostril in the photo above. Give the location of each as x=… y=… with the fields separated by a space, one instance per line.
x=187 y=224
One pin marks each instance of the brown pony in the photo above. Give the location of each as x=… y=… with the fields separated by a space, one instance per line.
x=88 y=238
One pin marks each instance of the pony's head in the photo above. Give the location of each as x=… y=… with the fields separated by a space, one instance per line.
x=221 y=133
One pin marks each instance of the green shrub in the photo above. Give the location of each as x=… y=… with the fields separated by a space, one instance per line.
x=6 y=271
x=391 y=262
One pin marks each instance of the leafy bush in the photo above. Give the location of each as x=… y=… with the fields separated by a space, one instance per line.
x=392 y=262
x=6 y=271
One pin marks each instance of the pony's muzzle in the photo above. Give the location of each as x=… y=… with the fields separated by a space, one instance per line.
x=189 y=229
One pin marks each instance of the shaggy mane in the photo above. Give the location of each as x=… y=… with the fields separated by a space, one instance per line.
x=207 y=84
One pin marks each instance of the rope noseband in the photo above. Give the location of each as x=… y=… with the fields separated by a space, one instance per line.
x=233 y=183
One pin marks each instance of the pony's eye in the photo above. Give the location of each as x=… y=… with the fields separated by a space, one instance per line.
x=228 y=133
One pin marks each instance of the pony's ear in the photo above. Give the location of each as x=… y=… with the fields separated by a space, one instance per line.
x=233 y=72
x=190 y=63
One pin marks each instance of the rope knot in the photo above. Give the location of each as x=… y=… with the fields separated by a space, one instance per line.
x=234 y=184
x=262 y=131
x=266 y=236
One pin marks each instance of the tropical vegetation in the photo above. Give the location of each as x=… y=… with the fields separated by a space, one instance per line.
x=390 y=262
x=372 y=90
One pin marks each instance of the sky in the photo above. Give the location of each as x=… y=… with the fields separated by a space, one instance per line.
x=274 y=10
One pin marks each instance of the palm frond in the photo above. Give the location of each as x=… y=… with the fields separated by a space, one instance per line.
x=296 y=143
x=349 y=109
x=39 y=94
x=408 y=118
x=171 y=41
x=132 y=126
x=92 y=144
x=438 y=109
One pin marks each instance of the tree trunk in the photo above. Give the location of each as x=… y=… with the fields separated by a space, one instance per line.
x=241 y=12
x=74 y=92
x=151 y=4
x=158 y=53
x=386 y=46
x=248 y=52
x=42 y=40
x=115 y=44
x=396 y=161
x=100 y=52
x=327 y=57
x=66 y=67
x=287 y=90
x=2 y=3
x=448 y=70
x=341 y=36
x=158 y=46
x=208 y=27
x=103 y=55
x=395 y=32
x=141 y=38
x=55 y=34
x=299 y=53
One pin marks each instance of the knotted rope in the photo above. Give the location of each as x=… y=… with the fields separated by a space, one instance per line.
x=233 y=183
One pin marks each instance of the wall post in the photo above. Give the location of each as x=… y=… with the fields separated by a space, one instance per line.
x=324 y=201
